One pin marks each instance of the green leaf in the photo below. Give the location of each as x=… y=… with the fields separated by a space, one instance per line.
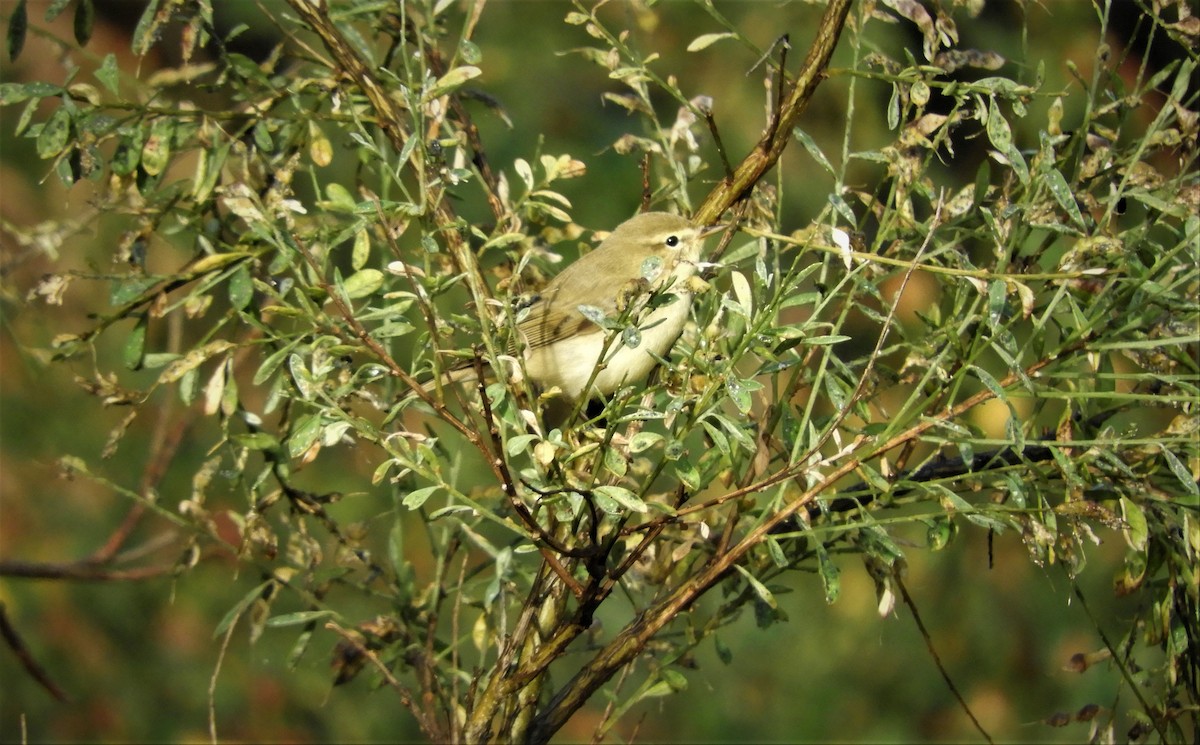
x=811 y=146
x=688 y=474
x=469 y=52
x=18 y=24
x=109 y=74
x=736 y=431
x=621 y=496
x=304 y=435
x=997 y=301
x=502 y=240
x=519 y=444
x=417 y=497
x=940 y=531
x=719 y=439
x=363 y=283
x=85 y=18
x=262 y=137
x=724 y=653
x=298 y=649
x=362 y=249
x=298 y=618
x=256 y=441
x=11 y=93
x=759 y=588
x=615 y=462
x=155 y=360
x=400 y=565
x=272 y=362
x=593 y=314
x=127 y=289
x=135 y=345
x=393 y=328
x=740 y=391
x=830 y=575
x=998 y=130
x=1181 y=472
x=240 y=607
x=55 y=8
x=826 y=340
x=55 y=134
x=156 y=151
x=643 y=441
x=340 y=199
x=208 y=170
x=241 y=288
x=147 y=29
x=837 y=392
x=775 y=551
x=127 y=156
x=1062 y=194
x=992 y=384
x=675 y=679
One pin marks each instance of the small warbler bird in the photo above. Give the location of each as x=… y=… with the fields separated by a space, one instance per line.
x=563 y=345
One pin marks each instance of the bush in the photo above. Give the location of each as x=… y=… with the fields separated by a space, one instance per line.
x=987 y=329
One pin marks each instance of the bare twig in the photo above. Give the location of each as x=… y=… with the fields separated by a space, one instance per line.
x=80 y=570
x=937 y=660
x=13 y=639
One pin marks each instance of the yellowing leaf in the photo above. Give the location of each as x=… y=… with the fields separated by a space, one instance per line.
x=703 y=41
x=452 y=80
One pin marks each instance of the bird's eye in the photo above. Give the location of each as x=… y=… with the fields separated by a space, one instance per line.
x=672 y=241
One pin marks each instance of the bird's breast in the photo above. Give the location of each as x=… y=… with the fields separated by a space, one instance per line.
x=569 y=363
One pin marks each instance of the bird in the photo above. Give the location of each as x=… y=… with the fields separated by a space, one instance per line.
x=641 y=273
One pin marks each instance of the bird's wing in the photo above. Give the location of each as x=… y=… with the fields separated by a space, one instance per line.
x=549 y=322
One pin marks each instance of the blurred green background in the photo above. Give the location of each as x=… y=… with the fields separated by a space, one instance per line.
x=138 y=657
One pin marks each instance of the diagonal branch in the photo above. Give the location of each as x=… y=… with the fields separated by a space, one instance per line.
x=765 y=154
x=628 y=644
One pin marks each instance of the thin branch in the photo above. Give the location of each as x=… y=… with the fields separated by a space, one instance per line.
x=633 y=639
x=406 y=697
x=771 y=146
x=80 y=570
x=937 y=660
x=13 y=639
x=630 y=642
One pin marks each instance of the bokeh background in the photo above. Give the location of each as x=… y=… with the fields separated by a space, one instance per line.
x=138 y=658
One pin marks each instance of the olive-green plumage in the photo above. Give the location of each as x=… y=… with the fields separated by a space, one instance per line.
x=562 y=347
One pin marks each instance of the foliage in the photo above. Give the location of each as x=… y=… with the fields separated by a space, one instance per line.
x=817 y=410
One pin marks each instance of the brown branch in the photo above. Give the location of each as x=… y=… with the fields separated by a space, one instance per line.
x=9 y=633
x=775 y=139
x=390 y=119
x=629 y=643
x=500 y=466
x=79 y=570
x=937 y=660
x=165 y=445
x=633 y=639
